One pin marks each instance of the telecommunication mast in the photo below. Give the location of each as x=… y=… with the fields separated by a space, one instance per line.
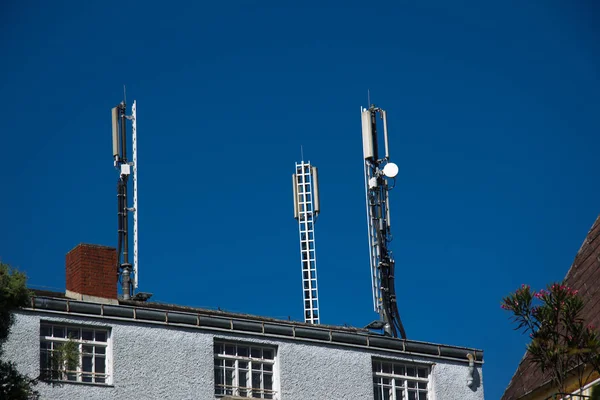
x=129 y=274
x=306 y=208
x=378 y=174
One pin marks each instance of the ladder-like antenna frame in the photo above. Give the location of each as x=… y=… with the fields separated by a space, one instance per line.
x=306 y=209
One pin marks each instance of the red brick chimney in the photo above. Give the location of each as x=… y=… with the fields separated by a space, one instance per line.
x=92 y=273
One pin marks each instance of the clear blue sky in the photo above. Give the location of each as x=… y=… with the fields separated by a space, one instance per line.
x=493 y=112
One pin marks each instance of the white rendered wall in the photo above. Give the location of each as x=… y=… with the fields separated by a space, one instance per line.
x=158 y=362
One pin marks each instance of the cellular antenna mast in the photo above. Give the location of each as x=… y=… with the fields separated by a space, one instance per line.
x=129 y=274
x=378 y=173
x=306 y=209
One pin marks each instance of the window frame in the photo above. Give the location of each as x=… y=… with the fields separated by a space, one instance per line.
x=80 y=376
x=223 y=390
x=405 y=378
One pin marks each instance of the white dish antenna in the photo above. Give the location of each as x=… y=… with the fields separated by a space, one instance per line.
x=390 y=170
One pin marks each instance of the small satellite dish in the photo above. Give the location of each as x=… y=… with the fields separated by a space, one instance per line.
x=390 y=170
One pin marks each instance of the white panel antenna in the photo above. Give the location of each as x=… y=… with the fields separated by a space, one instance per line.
x=306 y=209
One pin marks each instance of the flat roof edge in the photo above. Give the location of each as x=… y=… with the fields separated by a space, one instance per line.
x=253 y=325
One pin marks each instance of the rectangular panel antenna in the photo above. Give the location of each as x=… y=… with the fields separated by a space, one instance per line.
x=367 y=134
x=295 y=186
x=115 y=131
x=315 y=182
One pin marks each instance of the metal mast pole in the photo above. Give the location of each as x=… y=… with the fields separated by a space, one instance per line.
x=306 y=209
x=119 y=135
x=377 y=172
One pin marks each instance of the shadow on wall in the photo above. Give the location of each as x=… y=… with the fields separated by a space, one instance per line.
x=476 y=380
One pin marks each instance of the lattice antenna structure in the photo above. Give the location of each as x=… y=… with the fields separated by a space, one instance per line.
x=306 y=209
x=379 y=172
x=129 y=273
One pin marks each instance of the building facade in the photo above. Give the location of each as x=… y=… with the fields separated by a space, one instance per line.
x=142 y=350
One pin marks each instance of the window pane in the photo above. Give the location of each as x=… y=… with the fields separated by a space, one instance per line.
x=377 y=393
x=45 y=330
x=100 y=365
x=256 y=380
x=242 y=351
x=218 y=348
x=387 y=368
x=411 y=371
x=255 y=352
x=73 y=333
x=100 y=336
x=230 y=363
x=87 y=334
x=412 y=384
x=422 y=385
x=86 y=364
x=100 y=379
x=59 y=331
x=422 y=372
x=268 y=367
x=218 y=385
x=422 y=395
x=44 y=360
x=412 y=395
x=230 y=350
x=268 y=381
x=243 y=364
x=219 y=379
x=243 y=378
x=399 y=369
x=86 y=378
x=87 y=349
x=229 y=377
x=399 y=394
x=268 y=354
x=100 y=350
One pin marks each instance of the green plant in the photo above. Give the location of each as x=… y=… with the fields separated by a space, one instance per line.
x=562 y=345
x=64 y=360
x=13 y=294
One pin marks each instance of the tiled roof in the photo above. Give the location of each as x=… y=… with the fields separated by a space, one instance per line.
x=584 y=275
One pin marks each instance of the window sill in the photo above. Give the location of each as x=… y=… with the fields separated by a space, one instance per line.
x=59 y=382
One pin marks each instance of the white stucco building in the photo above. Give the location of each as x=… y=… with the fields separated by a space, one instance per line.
x=142 y=350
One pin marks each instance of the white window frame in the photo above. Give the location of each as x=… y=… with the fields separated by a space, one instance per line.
x=47 y=343
x=585 y=390
x=224 y=361
x=421 y=380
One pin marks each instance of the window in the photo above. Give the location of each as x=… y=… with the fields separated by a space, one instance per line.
x=88 y=347
x=400 y=381
x=245 y=370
